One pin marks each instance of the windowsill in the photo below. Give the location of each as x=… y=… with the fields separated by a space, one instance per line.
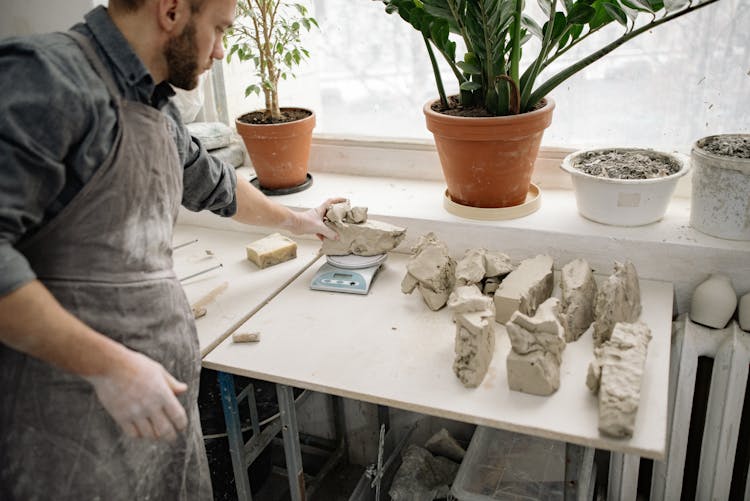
x=669 y=250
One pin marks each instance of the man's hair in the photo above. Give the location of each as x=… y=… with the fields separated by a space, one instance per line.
x=133 y=5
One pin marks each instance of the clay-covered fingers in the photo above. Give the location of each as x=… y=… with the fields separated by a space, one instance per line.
x=140 y=395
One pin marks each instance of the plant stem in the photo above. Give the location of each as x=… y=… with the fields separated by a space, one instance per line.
x=536 y=67
x=515 y=55
x=563 y=75
x=436 y=71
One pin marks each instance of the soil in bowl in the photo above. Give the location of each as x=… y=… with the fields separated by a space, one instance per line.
x=287 y=115
x=727 y=146
x=616 y=164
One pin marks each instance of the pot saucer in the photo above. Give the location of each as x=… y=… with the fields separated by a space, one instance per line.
x=531 y=204
x=283 y=191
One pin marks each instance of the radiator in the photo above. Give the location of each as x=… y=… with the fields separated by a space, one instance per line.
x=730 y=349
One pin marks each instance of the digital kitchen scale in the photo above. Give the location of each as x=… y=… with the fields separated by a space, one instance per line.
x=352 y=274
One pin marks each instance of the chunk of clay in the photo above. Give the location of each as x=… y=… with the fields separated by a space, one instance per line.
x=618 y=300
x=578 y=298
x=270 y=250
x=537 y=344
x=357 y=234
x=478 y=264
x=524 y=288
x=422 y=476
x=431 y=270
x=443 y=444
x=616 y=375
x=474 y=345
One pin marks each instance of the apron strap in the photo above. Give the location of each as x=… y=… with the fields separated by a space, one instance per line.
x=96 y=61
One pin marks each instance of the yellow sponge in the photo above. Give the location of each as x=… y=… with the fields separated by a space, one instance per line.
x=270 y=250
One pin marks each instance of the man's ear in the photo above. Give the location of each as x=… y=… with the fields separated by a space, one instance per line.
x=172 y=15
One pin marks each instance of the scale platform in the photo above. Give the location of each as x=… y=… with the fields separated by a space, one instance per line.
x=351 y=274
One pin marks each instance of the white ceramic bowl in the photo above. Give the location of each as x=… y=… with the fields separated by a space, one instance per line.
x=623 y=202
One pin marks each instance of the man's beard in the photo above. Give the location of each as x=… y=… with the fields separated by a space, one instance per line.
x=182 y=59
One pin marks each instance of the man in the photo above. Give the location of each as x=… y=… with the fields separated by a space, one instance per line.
x=99 y=360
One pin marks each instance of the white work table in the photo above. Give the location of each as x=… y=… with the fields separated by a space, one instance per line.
x=247 y=286
x=389 y=348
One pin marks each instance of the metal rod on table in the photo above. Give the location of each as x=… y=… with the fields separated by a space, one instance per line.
x=184 y=244
x=201 y=272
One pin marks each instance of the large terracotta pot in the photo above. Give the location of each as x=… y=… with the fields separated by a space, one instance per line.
x=279 y=152
x=488 y=161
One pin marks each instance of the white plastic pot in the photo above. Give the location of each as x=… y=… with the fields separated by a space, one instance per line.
x=623 y=202
x=720 y=201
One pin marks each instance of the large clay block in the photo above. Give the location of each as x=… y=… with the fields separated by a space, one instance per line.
x=616 y=376
x=357 y=234
x=431 y=270
x=474 y=346
x=474 y=315
x=478 y=264
x=578 y=298
x=525 y=288
x=537 y=344
x=618 y=300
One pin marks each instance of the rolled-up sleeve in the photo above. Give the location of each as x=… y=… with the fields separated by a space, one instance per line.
x=33 y=142
x=208 y=182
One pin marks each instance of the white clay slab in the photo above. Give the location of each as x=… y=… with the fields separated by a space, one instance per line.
x=389 y=348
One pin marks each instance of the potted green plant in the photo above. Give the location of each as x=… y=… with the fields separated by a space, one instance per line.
x=720 y=201
x=268 y=33
x=488 y=136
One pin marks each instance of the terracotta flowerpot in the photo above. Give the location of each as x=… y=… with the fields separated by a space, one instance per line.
x=279 y=152
x=487 y=161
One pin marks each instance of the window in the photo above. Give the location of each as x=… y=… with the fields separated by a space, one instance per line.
x=369 y=76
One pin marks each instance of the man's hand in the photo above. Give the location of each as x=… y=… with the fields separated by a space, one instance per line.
x=311 y=221
x=140 y=395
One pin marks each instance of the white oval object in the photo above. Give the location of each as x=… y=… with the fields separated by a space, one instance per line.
x=713 y=302
x=623 y=202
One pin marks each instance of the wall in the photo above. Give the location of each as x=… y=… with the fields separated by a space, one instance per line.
x=24 y=17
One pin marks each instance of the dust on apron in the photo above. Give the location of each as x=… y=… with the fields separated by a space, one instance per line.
x=107 y=259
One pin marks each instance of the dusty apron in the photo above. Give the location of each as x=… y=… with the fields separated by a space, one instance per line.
x=107 y=259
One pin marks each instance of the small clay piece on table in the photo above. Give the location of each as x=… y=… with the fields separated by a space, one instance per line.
x=616 y=376
x=246 y=337
x=578 y=298
x=431 y=270
x=537 y=344
x=618 y=300
x=474 y=345
x=524 y=288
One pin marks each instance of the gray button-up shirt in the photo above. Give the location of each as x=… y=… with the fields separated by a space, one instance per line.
x=57 y=125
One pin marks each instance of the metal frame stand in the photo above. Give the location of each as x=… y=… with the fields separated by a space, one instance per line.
x=243 y=454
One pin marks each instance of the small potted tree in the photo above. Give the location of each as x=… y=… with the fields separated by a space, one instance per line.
x=268 y=33
x=488 y=136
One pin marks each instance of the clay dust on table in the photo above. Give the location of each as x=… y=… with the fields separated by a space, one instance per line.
x=626 y=164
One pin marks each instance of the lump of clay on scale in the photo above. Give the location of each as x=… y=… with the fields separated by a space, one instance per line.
x=357 y=234
x=578 y=297
x=618 y=300
x=616 y=376
x=524 y=288
x=474 y=315
x=431 y=270
x=477 y=265
x=537 y=344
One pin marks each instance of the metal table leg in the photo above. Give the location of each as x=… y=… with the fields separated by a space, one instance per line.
x=290 y=433
x=234 y=433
